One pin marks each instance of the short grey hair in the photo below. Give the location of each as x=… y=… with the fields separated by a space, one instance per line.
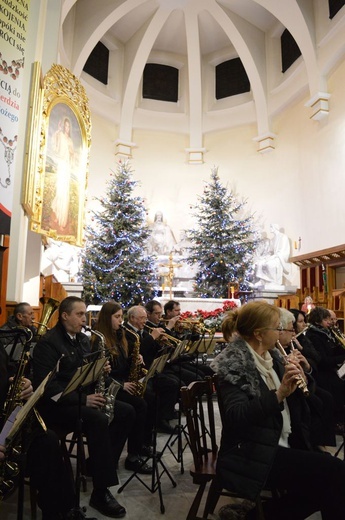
x=285 y=317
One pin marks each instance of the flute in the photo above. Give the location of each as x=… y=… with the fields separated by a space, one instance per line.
x=300 y=381
x=303 y=331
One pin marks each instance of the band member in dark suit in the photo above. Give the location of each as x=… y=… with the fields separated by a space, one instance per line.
x=167 y=385
x=44 y=462
x=124 y=365
x=66 y=346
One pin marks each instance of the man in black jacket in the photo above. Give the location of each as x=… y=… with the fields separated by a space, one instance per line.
x=44 y=463
x=166 y=385
x=65 y=345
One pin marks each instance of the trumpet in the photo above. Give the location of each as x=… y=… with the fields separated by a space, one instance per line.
x=167 y=339
x=300 y=381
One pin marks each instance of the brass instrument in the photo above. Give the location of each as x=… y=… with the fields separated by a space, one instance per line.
x=109 y=393
x=339 y=336
x=9 y=468
x=191 y=325
x=300 y=381
x=49 y=307
x=167 y=339
x=137 y=372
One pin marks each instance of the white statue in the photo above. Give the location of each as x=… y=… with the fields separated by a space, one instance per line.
x=274 y=264
x=161 y=240
x=61 y=260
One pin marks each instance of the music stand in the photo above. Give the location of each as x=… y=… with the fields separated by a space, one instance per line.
x=83 y=376
x=176 y=436
x=156 y=367
x=13 y=427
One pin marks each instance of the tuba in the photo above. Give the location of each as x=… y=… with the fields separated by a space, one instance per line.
x=109 y=393
x=49 y=307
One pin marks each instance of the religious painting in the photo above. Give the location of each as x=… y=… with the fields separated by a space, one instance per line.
x=63 y=162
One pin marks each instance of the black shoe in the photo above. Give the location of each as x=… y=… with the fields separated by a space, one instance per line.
x=146 y=451
x=106 y=504
x=138 y=466
x=165 y=427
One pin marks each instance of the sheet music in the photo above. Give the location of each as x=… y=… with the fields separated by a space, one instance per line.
x=24 y=411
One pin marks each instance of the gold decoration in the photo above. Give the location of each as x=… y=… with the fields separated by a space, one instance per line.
x=61 y=175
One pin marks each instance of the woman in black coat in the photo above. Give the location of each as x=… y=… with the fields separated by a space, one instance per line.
x=332 y=355
x=261 y=403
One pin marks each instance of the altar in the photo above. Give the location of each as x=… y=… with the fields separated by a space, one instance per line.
x=204 y=304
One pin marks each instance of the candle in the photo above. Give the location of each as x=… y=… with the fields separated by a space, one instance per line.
x=232 y=290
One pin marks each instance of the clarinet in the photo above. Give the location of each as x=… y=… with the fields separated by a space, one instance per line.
x=300 y=381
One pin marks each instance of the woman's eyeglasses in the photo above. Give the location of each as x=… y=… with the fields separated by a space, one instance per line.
x=279 y=329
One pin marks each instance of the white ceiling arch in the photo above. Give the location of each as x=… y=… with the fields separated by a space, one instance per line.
x=196 y=33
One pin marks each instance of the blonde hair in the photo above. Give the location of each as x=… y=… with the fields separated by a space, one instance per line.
x=245 y=320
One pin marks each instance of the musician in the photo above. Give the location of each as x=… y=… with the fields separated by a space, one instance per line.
x=109 y=323
x=166 y=385
x=172 y=312
x=338 y=336
x=23 y=316
x=65 y=345
x=303 y=343
x=320 y=401
x=260 y=403
x=44 y=462
x=332 y=355
x=182 y=368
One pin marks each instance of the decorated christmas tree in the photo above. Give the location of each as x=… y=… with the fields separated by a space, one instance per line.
x=223 y=243
x=115 y=265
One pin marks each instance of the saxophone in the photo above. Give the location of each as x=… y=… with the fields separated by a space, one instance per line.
x=137 y=372
x=109 y=393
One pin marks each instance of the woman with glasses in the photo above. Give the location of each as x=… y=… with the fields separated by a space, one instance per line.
x=320 y=401
x=259 y=402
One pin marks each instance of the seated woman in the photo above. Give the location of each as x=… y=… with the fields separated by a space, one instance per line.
x=332 y=355
x=320 y=401
x=260 y=403
x=302 y=342
x=109 y=322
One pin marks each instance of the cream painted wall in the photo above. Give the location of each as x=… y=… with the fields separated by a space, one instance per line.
x=300 y=185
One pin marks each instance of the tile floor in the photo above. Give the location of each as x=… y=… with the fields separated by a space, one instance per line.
x=139 y=502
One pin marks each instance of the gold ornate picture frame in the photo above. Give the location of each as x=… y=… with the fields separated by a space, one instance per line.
x=32 y=146
x=61 y=175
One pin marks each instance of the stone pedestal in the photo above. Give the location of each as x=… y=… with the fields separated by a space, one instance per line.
x=270 y=294
x=73 y=288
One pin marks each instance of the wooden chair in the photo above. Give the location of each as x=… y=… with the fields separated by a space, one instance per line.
x=197 y=404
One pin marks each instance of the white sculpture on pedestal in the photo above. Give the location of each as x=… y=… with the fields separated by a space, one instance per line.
x=61 y=260
x=273 y=264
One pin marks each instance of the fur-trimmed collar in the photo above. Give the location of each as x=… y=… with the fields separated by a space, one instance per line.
x=236 y=365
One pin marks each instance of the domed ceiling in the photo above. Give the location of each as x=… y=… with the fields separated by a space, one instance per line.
x=195 y=36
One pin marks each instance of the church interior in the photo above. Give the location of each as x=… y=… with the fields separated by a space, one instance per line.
x=253 y=88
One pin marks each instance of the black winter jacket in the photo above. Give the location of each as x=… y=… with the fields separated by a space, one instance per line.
x=53 y=347
x=252 y=420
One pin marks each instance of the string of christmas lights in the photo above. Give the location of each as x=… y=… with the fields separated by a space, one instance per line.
x=115 y=265
x=223 y=241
